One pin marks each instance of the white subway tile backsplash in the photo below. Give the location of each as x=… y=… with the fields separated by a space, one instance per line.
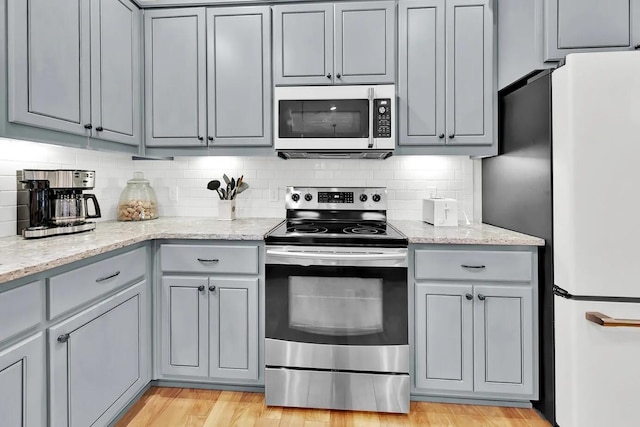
x=407 y=179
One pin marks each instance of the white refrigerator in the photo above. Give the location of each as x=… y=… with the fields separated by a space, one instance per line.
x=596 y=230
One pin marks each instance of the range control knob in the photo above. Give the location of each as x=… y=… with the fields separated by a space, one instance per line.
x=382 y=110
x=363 y=197
x=308 y=197
x=295 y=197
x=376 y=197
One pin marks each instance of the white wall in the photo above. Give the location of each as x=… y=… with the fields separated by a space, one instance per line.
x=407 y=178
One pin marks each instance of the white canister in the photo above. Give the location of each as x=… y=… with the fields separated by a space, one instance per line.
x=227 y=210
x=440 y=212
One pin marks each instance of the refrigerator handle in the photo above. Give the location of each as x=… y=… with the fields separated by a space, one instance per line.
x=557 y=290
x=604 y=320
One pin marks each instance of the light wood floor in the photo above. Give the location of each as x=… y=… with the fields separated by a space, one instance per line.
x=175 y=407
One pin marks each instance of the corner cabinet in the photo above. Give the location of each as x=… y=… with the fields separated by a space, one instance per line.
x=475 y=332
x=98 y=359
x=446 y=82
x=22 y=383
x=64 y=74
x=210 y=313
x=342 y=43
x=208 y=77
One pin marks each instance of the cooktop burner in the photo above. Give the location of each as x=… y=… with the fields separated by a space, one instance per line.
x=306 y=229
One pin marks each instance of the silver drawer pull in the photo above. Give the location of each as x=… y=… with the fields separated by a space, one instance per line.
x=102 y=279
x=473 y=267
x=208 y=260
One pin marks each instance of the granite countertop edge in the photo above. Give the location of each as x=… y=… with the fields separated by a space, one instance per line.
x=16 y=261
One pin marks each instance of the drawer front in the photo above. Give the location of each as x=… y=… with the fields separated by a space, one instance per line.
x=209 y=259
x=20 y=309
x=473 y=265
x=74 y=288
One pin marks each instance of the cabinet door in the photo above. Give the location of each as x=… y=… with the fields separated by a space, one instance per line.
x=239 y=76
x=175 y=77
x=184 y=319
x=421 y=67
x=470 y=65
x=233 y=313
x=115 y=71
x=303 y=44
x=98 y=360
x=579 y=25
x=444 y=337
x=22 y=383
x=48 y=58
x=365 y=42
x=503 y=335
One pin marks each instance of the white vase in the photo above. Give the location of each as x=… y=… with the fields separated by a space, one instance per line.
x=227 y=210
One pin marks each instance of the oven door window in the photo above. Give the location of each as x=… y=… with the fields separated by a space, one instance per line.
x=339 y=118
x=337 y=305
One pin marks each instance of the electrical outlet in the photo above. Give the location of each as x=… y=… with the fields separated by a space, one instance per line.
x=173 y=194
x=273 y=193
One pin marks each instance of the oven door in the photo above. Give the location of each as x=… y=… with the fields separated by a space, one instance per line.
x=327 y=307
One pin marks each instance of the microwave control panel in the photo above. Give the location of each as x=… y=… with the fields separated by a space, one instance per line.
x=382 y=118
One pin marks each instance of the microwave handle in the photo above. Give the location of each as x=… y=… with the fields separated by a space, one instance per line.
x=371 y=95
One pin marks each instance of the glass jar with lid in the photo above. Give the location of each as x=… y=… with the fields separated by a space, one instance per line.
x=138 y=200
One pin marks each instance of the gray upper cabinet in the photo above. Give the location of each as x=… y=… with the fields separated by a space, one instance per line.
x=239 y=76
x=579 y=25
x=503 y=340
x=81 y=77
x=116 y=112
x=233 y=316
x=175 y=77
x=303 y=44
x=365 y=42
x=345 y=43
x=22 y=383
x=49 y=64
x=444 y=331
x=446 y=82
x=184 y=326
x=105 y=345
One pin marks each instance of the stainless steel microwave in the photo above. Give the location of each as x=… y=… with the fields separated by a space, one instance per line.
x=335 y=121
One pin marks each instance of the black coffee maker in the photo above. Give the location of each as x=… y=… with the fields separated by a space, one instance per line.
x=56 y=202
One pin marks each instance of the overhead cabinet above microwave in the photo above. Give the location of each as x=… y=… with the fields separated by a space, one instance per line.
x=342 y=43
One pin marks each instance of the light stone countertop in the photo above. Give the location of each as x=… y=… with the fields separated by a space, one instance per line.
x=475 y=234
x=20 y=257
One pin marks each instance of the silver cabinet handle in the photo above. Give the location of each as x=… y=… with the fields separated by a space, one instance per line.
x=63 y=338
x=481 y=297
x=473 y=267
x=469 y=297
x=212 y=288
x=201 y=288
x=208 y=260
x=102 y=279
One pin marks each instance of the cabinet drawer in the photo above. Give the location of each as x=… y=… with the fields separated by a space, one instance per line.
x=71 y=289
x=20 y=309
x=209 y=259
x=473 y=265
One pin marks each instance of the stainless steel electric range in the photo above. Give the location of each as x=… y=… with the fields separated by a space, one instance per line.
x=336 y=303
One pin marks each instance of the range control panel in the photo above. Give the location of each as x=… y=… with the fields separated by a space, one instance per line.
x=335 y=197
x=382 y=118
x=342 y=198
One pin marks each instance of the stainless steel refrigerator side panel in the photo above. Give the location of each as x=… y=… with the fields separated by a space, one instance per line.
x=337 y=390
x=384 y=358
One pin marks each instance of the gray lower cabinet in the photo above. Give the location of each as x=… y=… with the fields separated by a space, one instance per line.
x=22 y=383
x=475 y=324
x=446 y=95
x=210 y=327
x=342 y=43
x=99 y=359
x=82 y=77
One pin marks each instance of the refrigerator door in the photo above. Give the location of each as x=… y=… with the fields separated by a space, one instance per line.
x=597 y=373
x=596 y=147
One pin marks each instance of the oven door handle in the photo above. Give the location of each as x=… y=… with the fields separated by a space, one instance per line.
x=336 y=256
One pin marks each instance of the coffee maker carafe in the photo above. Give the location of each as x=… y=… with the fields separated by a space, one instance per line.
x=56 y=203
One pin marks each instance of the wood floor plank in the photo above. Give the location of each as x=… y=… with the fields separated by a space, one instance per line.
x=175 y=407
